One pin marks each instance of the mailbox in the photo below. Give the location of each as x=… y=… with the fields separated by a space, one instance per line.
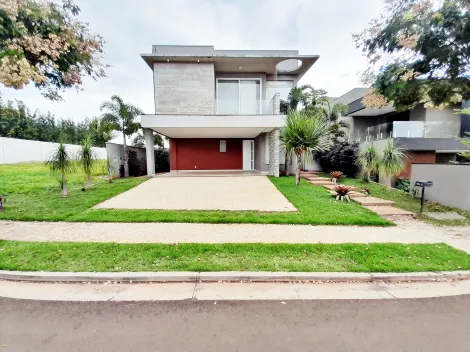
x=423 y=185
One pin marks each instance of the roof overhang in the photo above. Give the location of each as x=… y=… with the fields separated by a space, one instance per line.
x=212 y=126
x=245 y=63
x=372 y=112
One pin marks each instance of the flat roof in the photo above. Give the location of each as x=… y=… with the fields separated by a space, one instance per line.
x=268 y=61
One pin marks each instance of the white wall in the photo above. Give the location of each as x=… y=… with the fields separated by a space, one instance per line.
x=451 y=186
x=14 y=150
x=115 y=151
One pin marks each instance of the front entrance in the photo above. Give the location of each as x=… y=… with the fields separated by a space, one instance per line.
x=248 y=155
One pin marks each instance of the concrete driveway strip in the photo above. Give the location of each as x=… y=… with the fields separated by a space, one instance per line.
x=202 y=193
x=408 y=231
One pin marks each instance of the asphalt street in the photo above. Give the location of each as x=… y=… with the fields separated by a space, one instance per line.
x=437 y=324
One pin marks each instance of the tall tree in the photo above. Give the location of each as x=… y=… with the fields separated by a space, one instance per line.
x=43 y=42
x=121 y=116
x=305 y=95
x=100 y=131
x=303 y=134
x=418 y=52
x=61 y=161
x=158 y=140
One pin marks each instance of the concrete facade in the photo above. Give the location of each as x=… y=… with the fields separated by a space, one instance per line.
x=186 y=100
x=115 y=152
x=450 y=183
x=184 y=88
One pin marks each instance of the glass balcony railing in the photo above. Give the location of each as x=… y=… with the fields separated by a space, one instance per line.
x=247 y=107
x=408 y=129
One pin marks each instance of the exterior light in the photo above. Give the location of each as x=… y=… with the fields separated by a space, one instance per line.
x=198 y=60
x=240 y=67
x=167 y=60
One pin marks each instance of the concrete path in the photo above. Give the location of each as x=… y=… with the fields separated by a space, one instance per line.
x=407 y=231
x=202 y=193
x=438 y=325
x=227 y=291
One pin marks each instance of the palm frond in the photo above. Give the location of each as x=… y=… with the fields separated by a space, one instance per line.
x=60 y=159
x=392 y=159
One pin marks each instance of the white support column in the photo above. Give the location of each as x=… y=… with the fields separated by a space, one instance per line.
x=274 y=152
x=150 y=151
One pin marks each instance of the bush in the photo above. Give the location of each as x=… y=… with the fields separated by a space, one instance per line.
x=341 y=157
x=403 y=184
x=162 y=160
x=137 y=167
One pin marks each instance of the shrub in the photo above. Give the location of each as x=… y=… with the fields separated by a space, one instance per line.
x=162 y=160
x=137 y=167
x=342 y=157
x=403 y=184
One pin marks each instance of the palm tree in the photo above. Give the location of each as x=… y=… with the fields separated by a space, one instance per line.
x=100 y=130
x=391 y=161
x=303 y=134
x=121 y=116
x=87 y=159
x=139 y=140
x=332 y=113
x=61 y=161
x=368 y=159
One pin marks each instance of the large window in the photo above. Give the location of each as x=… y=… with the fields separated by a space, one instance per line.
x=238 y=96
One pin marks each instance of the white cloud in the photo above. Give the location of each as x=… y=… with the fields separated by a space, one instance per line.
x=130 y=28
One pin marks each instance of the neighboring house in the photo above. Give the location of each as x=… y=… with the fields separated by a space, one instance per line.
x=428 y=134
x=220 y=108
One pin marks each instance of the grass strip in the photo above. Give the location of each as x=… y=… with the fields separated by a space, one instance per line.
x=112 y=257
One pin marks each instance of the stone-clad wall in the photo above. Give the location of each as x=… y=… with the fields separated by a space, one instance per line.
x=274 y=152
x=184 y=88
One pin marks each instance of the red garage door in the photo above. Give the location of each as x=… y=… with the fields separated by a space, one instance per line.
x=205 y=154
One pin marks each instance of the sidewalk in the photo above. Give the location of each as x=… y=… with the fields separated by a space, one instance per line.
x=407 y=231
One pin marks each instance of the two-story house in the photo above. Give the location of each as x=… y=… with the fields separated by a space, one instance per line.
x=430 y=135
x=220 y=109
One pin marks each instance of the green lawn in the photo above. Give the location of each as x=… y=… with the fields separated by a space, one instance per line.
x=32 y=195
x=69 y=256
x=405 y=201
x=32 y=192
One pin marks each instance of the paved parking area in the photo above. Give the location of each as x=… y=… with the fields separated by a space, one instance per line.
x=202 y=193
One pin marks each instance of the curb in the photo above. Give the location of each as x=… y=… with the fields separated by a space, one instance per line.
x=230 y=276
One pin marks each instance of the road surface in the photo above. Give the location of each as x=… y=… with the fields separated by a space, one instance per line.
x=438 y=324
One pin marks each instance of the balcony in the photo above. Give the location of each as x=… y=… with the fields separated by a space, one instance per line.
x=248 y=106
x=408 y=129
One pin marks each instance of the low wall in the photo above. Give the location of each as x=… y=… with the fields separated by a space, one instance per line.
x=451 y=183
x=13 y=150
x=115 y=151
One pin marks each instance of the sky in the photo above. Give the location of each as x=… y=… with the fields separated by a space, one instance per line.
x=130 y=28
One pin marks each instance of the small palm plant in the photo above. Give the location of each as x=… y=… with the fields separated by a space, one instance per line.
x=87 y=159
x=391 y=161
x=61 y=161
x=368 y=159
x=110 y=168
x=303 y=133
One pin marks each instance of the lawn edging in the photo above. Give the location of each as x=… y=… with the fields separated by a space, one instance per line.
x=232 y=276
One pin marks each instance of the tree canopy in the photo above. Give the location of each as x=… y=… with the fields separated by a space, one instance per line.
x=418 y=51
x=42 y=42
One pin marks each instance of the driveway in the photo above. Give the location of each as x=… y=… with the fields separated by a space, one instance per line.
x=202 y=193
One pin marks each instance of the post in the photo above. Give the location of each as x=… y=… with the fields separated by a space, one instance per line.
x=149 y=151
x=422 y=199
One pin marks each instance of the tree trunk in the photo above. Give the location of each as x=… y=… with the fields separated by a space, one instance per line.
x=126 y=158
x=110 y=177
x=88 y=179
x=288 y=162
x=297 y=170
x=64 y=186
x=388 y=182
